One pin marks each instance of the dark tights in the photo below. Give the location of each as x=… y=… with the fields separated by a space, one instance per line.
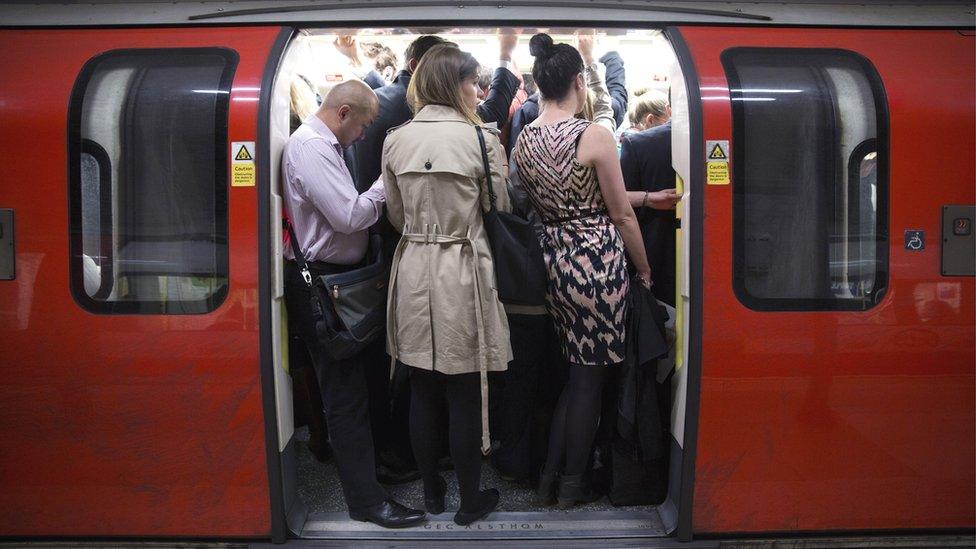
x=428 y=391
x=575 y=420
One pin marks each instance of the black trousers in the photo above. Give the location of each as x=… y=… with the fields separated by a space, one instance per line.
x=389 y=402
x=345 y=398
x=527 y=403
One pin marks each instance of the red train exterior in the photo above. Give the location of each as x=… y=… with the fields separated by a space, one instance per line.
x=870 y=424
x=146 y=425
x=821 y=421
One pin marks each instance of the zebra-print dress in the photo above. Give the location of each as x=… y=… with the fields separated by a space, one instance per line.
x=584 y=252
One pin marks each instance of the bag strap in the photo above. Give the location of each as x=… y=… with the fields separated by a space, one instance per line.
x=299 y=256
x=484 y=161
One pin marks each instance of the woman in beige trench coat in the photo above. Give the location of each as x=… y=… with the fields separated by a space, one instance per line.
x=444 y=318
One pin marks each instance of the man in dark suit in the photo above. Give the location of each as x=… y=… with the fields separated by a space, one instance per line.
x=645 y=160
x=394 y=109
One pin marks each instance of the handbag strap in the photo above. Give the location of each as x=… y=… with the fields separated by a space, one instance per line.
x=299 y=256
x=484 y=161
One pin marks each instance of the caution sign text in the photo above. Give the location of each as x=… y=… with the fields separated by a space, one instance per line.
x=243 y=173
x=717 y=173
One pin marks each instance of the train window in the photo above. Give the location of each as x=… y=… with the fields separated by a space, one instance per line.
x=809 y=179
x=147 y=146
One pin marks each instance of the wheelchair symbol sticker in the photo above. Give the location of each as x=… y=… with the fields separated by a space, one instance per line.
x=914 y=240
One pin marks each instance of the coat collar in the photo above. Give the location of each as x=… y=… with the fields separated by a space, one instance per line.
x=438 y=113
x=402 y=78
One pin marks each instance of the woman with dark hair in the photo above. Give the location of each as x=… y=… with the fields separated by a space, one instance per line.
x=444 y=319
x=570 y=171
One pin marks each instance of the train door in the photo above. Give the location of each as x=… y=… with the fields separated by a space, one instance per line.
x=836 y=358
x=132 y=394
x=318 y=511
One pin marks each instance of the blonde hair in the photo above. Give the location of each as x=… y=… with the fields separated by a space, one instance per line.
x=438 y=79
x=647 y=102
x=302 y=99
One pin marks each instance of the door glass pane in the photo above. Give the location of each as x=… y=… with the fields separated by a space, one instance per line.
x=809 y=179
x=149 y=184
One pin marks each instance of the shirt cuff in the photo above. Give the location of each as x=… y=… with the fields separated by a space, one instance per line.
x=506 y=64
x=376 y=191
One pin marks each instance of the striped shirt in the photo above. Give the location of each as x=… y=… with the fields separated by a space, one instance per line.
x=329 y=216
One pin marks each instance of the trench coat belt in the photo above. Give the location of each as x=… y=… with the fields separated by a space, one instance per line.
x=432 y=236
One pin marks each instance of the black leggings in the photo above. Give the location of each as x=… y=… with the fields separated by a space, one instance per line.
x=428 y=390
x=575 y=421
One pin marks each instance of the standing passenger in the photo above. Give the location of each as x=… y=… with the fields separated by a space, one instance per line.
x=391 y=428
x=570 y=171
x=444 y=319
x=330 y=219
x=645 y=160
x=523 y=398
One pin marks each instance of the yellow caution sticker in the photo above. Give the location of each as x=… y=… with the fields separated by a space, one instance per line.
x=717 y=162
x=717 y=173
x=243 y=173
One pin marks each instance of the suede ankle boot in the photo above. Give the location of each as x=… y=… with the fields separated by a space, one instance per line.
x=574 y=490
x=545 y=493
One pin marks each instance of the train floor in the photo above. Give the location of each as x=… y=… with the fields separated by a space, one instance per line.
x=517 y=516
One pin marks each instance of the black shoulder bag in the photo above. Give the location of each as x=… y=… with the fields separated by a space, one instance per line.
x=519 y=268
x=349 y=308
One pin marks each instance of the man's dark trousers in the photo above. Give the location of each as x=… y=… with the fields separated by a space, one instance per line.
x=344 y=397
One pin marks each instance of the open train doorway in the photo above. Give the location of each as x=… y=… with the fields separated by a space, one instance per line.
x=641 y=68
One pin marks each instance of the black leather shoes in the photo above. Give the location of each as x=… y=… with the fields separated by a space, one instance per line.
x=489 y=500
x=388 y=514
x=434 y=496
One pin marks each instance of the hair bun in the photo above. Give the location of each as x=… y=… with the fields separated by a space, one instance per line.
x=541 y=45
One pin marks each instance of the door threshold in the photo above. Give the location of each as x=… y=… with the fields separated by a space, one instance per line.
x=498 y=525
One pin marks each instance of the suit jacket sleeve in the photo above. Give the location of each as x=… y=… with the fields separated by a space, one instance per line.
x=374 y=80
x=616 y=85
x=629 y=165
x=495 y=107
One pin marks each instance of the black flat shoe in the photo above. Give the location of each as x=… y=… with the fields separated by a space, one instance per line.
x=489 y=502
x=434 y=498
x=389 y=514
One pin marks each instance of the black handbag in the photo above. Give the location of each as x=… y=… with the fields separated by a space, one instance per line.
x=520 y=271
x=349 y=308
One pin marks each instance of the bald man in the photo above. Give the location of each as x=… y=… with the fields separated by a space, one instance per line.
x=331 y=219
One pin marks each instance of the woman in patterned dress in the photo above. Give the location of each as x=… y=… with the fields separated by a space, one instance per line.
x=570 y=171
